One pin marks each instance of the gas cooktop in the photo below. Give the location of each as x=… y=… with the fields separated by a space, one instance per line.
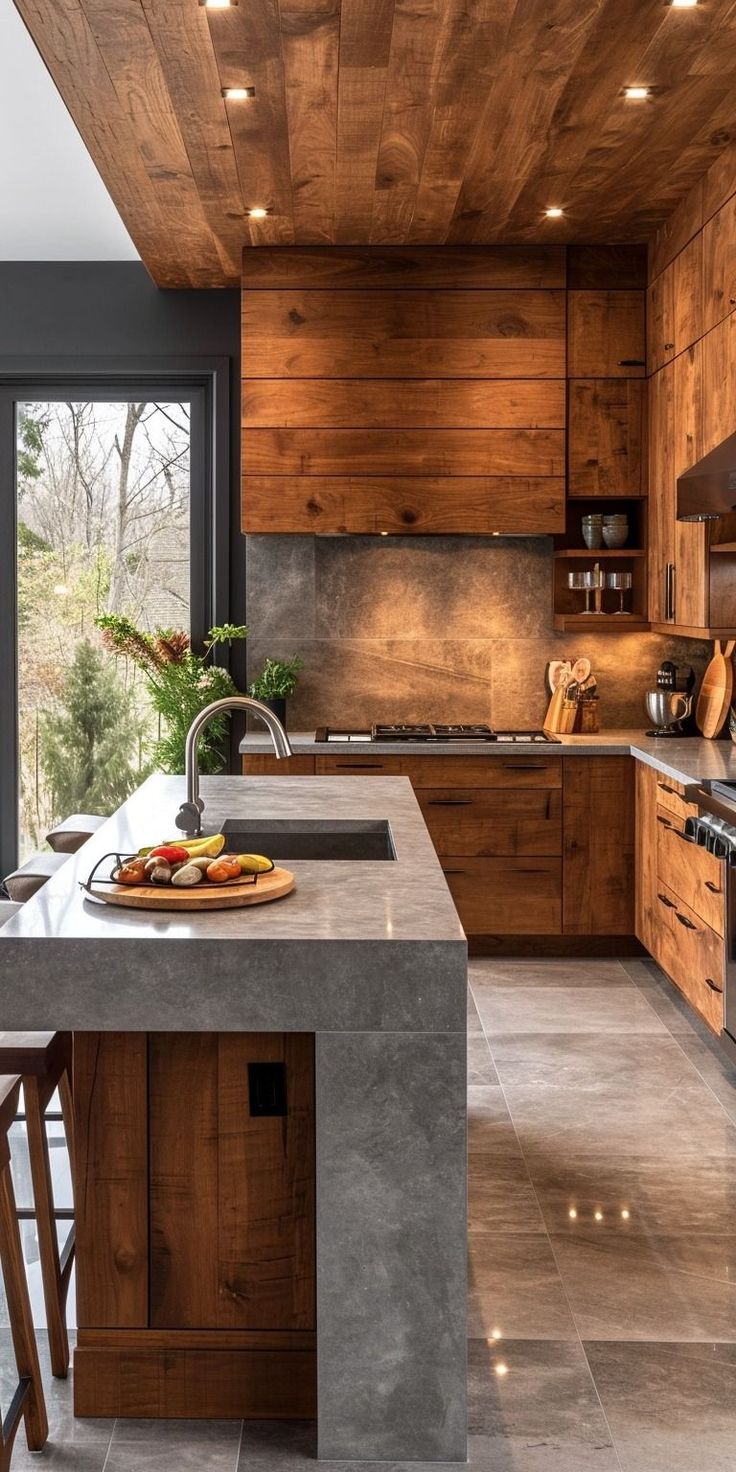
x=429 y=731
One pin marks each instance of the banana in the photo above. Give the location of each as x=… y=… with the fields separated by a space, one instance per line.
x=254 y=864
x=199 y=848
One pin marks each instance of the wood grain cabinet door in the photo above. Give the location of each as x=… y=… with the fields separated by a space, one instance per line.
x=598 y=846
x=662 y=496
x=606 y=334
x=719 y=266
x=661 y=320
x=490 y=822
x=688 y=294
x=606 y=437
x=231 y=1192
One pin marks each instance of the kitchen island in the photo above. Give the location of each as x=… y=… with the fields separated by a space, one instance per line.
x=216 y=1267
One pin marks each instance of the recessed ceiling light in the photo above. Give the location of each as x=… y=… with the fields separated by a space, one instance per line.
x=636 y=94
x=217 y=4
x=238 y=94
x=554 y=212
x=258 y=213
x=683 y=4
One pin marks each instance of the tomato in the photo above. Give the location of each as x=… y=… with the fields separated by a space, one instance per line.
x=171 y=853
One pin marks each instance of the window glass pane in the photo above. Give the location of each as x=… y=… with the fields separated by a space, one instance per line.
x=103 y=527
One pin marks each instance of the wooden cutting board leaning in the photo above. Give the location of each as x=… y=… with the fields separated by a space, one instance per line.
x=716 y=691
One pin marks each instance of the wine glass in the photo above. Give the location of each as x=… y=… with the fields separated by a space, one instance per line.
x=621 y=581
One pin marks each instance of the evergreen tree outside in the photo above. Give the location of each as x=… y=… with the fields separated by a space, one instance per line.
x=87 y=744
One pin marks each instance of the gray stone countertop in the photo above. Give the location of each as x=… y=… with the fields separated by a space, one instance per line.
x=685 y=759
x=366 y=945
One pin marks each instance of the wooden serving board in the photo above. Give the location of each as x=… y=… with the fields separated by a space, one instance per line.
x=204 y=896
x=716 y=691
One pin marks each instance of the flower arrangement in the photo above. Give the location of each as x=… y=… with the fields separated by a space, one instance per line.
x=180 y=684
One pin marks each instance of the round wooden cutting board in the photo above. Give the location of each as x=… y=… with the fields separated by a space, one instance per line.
x=204 y=896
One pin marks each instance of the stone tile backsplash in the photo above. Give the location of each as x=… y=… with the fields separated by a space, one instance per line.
x=438 y=628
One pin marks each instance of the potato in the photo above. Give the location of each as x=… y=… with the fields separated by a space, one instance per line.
x=186 y=876
x=223 y=871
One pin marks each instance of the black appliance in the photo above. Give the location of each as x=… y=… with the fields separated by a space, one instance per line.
x=427 y=731
x=672 y=676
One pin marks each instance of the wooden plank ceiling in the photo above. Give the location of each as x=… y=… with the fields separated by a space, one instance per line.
x=389 y=121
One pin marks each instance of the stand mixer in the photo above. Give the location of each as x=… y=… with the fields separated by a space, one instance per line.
x=671 y=703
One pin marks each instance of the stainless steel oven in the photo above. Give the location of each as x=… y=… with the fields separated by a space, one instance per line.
x=715 y=829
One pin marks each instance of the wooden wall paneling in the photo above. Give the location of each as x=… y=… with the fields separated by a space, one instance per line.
x=674 y=233
x=266 y=1206
x=407 y=267
x=423 y=334
x=606 y=334
x=661 y=320
x=111 y=1186
x=688 y=294
x=404 y=452
x=403 y=403
x=183 y=1180
x=719 y=265
x=606 y=441
x=606 y=268
x=598 y=846
x=475 y=505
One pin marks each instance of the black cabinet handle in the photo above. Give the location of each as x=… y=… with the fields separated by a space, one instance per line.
x=664 y=821
x=684 y=921
x=631 y=363
x=454 y=871
x=526 y=766
x=664 y=788
x=683 y=837
x=450 y=802
x=714 y=889
x=361 y=766
x=669 y=904
x=713 y=986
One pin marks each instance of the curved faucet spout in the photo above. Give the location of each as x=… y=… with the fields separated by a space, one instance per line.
x=189 y=816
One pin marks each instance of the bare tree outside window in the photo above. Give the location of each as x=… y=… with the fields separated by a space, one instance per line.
x=103 y=527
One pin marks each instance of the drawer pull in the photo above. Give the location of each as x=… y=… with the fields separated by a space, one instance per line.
x=664 y=821
x=631 y=363
x=361 y=766
x=684 y=921
x=714 y=889
x=664 y=788
x=684 y=837
x=669 y=904
x=454 y=871
x=526 y=766
x=450 y=802
x=713 y=986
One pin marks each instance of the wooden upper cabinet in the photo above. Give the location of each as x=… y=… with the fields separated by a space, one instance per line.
x=606 y=334
x=662 y=493
x=661 y=320
x=606 y=434
x=719 y=265
x=718 y=351
x=688 y=294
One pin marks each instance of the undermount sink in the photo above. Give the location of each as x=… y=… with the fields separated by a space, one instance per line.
x=283 y=839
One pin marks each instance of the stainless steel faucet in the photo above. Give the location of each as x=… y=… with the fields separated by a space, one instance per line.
x=189 y=816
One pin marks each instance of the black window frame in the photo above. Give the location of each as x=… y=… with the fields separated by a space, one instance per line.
x=203 y=382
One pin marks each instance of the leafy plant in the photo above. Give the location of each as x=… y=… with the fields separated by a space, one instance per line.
x=277 y=679
x=181 y=684
x=87 y=745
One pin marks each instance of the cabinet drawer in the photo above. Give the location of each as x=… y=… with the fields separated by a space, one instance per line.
x=670 y=795
x=506 y=896
x=691 y=954
x=691 y=871
x=257 y=765
x=492 y=822
x=450 y=771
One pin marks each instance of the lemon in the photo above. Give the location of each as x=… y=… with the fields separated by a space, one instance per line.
x=254 y=864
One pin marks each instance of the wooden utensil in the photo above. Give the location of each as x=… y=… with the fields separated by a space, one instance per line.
x=554 y=709
x=204 y=896
x=716 y=691
x=581 y=670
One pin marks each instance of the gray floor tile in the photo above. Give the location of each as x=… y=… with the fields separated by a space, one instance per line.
x=280 y=1446
x=174 y=1446
x=714 y=1067
x=566 y=1010
x=501 y=1196
x=474 y=1022
x=489 y=1122
x=636 y=1193
x=671 y=1407
x=542 y=1415
x=58 y=1455
x=487 y=973
x=653 y=1288
x=481 y=1070
x=515 y=1288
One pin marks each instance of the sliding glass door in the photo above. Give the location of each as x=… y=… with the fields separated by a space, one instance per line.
x=111 y=513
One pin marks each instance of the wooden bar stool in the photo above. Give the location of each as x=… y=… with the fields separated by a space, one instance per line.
x=27 y=1402
x=44 y=1062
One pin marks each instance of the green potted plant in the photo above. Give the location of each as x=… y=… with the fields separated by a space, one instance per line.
x=276 y=682
x=180 y=683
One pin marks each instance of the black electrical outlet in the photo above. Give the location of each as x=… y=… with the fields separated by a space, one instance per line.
x=266 y=1089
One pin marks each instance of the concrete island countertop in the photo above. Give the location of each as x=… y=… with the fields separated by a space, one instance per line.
x=317 y=959
x=684 y=758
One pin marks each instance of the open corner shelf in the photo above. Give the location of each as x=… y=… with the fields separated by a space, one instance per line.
x=592 y=554
x=601 y=623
